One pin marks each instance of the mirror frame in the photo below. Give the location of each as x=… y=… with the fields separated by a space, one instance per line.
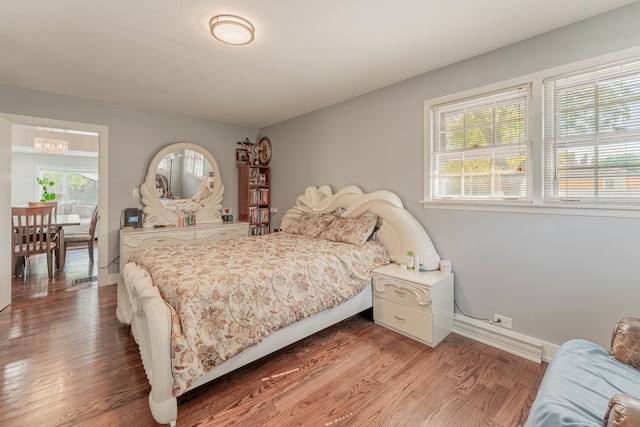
x=156 y=214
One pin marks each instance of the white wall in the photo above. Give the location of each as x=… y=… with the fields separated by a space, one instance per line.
x=24 y=187
x=134 y=137
x=6 y=244
x=558 y=277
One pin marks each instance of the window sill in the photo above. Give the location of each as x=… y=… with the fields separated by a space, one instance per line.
x=620 y=211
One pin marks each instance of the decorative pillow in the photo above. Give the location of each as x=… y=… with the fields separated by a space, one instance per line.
x=350 y=230
x=83 y=211
x=65 y=208
x=310 y=224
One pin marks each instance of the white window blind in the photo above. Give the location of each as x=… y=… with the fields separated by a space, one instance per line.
x=164 y=163
x=592 y=135
x=481 y=147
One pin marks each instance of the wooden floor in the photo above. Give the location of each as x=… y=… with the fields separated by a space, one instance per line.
x=68 y=362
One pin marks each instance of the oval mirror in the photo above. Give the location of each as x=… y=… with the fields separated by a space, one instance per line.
x=182 y=177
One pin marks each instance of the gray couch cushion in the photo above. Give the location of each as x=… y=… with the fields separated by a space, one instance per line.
x=578 y=384
x=85 y=212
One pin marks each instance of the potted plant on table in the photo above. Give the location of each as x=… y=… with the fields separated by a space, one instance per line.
x=46 y=184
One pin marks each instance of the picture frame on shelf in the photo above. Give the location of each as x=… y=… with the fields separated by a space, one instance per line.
x=242 y=157
x=227 y=214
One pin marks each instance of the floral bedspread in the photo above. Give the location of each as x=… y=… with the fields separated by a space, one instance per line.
x=227 y=296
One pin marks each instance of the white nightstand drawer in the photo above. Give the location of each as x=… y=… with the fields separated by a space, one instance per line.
x=414 y=303
x=414 y=323
x=402 y=292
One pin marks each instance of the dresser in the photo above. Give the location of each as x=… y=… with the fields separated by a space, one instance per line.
x=415 y=304
x=143 y=238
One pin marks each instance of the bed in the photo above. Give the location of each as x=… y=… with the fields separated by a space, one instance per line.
x=156 y=293
x=195 y=203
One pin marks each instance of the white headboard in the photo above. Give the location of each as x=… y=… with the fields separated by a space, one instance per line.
x=399 y=231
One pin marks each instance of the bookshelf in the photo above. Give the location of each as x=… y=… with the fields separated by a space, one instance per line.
x=255 y=198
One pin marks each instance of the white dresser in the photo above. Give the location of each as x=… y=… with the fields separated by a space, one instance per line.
x=143 y=238
x=417 y=305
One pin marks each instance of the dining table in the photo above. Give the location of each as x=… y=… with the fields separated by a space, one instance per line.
x=60 y=221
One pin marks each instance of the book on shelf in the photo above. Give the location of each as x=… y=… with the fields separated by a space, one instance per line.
x=259 y=196
x=258 y=214
x=258 y=230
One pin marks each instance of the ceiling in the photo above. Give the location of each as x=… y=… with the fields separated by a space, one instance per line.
x=81 y=143
x=159 y=54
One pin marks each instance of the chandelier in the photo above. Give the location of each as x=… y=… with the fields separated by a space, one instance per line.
x=50 y=145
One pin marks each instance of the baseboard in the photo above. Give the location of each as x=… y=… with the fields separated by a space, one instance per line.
x=112 y=279
x=548 y=350
x=500 y=338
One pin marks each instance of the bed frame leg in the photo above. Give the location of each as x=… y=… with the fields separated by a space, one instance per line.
x=165 y=412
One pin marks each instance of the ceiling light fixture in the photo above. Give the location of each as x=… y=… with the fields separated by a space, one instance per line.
x=50 y=145
x=231 y=29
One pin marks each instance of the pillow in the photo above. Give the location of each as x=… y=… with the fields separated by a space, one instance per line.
x=65 y=208
x=83 y=211
x=350 y=230
x=310 y=224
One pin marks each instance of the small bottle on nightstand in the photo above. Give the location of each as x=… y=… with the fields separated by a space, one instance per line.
x=410 y=260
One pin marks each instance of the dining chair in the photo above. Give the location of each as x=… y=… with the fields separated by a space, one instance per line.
x=32 y=232
x=54 y=205
x=85 y=239
x=54 y=214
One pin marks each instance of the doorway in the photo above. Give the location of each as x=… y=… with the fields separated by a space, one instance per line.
x=22 y=124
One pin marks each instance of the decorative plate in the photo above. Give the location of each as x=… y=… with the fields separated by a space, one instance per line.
x=264 y=151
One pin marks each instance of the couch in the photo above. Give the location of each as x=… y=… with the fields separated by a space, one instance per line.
x=83 y=211
x=586 y=385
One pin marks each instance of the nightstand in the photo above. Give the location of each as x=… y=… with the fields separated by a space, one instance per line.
x=417 y=305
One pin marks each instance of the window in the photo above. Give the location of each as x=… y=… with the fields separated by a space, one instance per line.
x=72 y=185
x=164 y=163
x=481 y=147
x=592 y=135
x=562 y=141
x=193 y=163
